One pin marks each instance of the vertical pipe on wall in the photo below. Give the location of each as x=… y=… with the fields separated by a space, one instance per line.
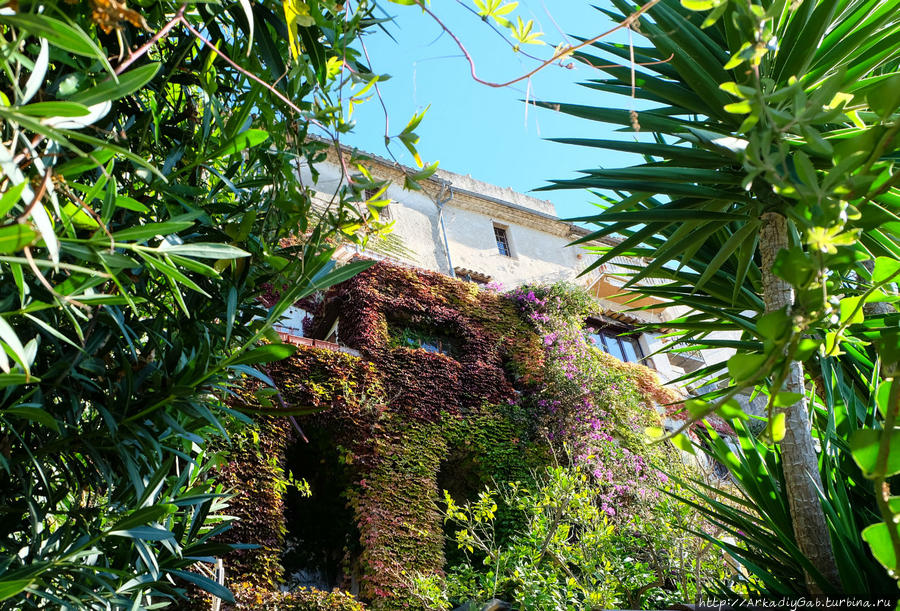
x=439 y=201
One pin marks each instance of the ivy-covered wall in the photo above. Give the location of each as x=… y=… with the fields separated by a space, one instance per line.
x=454 y=388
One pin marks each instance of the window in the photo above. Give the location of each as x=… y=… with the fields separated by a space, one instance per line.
x=293 y=321
x=623 y=347
x=405 y=334
x=383 y=205
x=502 y=241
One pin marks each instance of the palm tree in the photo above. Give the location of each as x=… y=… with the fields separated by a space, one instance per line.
x=767 y=172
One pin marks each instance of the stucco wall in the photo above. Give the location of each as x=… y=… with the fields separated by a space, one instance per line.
x=538 y=255
x=538 y=240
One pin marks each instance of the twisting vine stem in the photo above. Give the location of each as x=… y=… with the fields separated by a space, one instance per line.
x=564 y=52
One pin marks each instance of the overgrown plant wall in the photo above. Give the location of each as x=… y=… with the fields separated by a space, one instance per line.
x=453 y=384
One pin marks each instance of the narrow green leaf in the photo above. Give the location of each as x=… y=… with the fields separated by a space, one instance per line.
x=14 y=238
x=90 y=161
x=244 y=140
x=11 y=197
x=10 y=588
x=53 y=109
x=205 y=583
x=8 y=335
x=747 y=232
x=112 y=89
x=35 y=414
x=151 y=230
x=15 y=379
x=206 y=250
x=144 y=516
x=67 y=37
x=265 y=354
x=144 y=533
x=129 y=203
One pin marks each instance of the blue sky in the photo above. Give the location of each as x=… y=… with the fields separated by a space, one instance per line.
x=473 y=129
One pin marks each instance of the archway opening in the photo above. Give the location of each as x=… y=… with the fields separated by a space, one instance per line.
x=322 y=539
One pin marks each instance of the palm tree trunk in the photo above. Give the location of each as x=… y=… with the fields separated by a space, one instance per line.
x=798 y=454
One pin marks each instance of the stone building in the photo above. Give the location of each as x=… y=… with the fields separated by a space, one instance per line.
x=475 y=231
x=416 y=384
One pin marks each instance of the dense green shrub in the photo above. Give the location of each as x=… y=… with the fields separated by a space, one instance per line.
x=303 y=599
x=149 y=194
x=569 y=554
x=408 y=423
x=765 y=205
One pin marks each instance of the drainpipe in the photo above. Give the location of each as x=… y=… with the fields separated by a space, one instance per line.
x=444 y=196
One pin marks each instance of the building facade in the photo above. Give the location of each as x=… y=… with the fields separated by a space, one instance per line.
x=475 y=231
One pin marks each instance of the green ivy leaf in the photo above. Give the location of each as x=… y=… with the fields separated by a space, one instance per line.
x=864 y=446
x=683 y=443
x=654 y=433
x=744 y=366
x=774 y=325
x=700 y=5
x=794 y=266
x=787 y=399
x=697 y=408
x=776 y=429
x=884 y=98
x=731 y=409
x=879 y=539
x=882 y=398
x=739 y=108
x=849 y=311
x=885 y=267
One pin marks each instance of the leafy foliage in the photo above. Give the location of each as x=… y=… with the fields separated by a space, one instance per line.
x=407 y=422
x=304 y=599
x=756 y=517
x=768 y=120
x=150 y=194
x=568 y=553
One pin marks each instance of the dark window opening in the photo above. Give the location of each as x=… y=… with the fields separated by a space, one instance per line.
x=623 y=347
x=322 y=540
x=502 y=241
x=426 y=337
x=465 y=473
x=459 y=477
x=383 y=213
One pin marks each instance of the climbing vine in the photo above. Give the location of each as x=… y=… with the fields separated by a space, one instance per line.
x=408 y=423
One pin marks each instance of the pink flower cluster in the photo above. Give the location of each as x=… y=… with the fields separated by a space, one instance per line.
x=585 y=404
